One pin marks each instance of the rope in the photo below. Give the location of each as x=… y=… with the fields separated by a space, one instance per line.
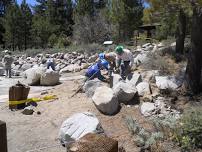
x=33 y=100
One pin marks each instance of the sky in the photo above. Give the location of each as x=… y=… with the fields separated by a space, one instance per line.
x=33 y=2
x=30 y=2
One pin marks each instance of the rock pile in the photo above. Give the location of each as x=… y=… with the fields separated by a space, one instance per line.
x=64 y=62
x=158 y=108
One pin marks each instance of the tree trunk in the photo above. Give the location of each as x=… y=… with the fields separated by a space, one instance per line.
x=193 y=70
x=181 y=32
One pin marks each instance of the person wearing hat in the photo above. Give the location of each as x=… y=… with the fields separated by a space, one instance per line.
x=94 y=71
x=8 y=60
x=124 y=60
x=110 y=58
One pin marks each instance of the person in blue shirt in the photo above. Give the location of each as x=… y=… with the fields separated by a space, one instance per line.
x=94 y=71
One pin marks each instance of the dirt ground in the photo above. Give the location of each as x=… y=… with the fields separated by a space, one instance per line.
x=30 y=133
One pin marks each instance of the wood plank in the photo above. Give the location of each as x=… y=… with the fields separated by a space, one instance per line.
x=3 y=137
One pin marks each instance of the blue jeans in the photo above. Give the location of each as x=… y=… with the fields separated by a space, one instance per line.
x=124 y=71
x=52 y=65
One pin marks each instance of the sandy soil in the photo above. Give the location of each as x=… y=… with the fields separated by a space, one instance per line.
x=27 y=133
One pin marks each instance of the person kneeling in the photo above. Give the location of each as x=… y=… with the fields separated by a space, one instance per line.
x=94 y=71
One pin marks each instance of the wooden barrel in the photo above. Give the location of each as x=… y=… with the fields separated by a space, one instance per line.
x=18 y=92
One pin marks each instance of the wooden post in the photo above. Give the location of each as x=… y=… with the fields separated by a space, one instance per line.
x=3 y=137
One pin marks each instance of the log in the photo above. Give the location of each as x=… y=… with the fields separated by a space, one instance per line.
x=3 y=137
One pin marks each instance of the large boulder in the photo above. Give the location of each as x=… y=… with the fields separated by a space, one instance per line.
x=105 y=100
x=124 y=91
x=134 y=79
x=150 y=75
x=32 y=76
x=26 y=66
x=116 y=78
x=143 y=88
x=78 y=126
x=50 y=78
x=141 y=58
x=90 y=87
x=16 y=67
x=166 y=82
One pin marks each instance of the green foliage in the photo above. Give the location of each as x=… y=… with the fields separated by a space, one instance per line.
x=189 y=131
x=41 y=30
x=84 y=7
x=127 y=15
x=63 y=41
x=26 y=24
x=143 y=138
x=167 y=15
x=167 y=28
x=12 y=25
x=52 y=40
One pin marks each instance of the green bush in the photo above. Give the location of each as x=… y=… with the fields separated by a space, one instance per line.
x=189 y=132
x=52 y=40
x=63 y=41
x=142 y=137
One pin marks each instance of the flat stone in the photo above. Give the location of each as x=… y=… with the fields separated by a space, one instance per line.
x=78 y=126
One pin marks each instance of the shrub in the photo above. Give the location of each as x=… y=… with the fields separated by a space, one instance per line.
x=63 y=41
x=52 y=40
x=189 y=133
x=157 y=62
x=142 y=137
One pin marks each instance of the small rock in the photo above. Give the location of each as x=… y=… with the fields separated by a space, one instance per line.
x=143 y=88
x=44 y=92
x=28 y=110
x=147 y=108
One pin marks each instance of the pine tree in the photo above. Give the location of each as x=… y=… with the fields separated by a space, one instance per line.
x=26 y=24
x=12 y=27
x=64 y=16
x=173 y=8
x=41 y=31
x=84 y=7
x=40 y=8
x=3 y=7
x=127 y=15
